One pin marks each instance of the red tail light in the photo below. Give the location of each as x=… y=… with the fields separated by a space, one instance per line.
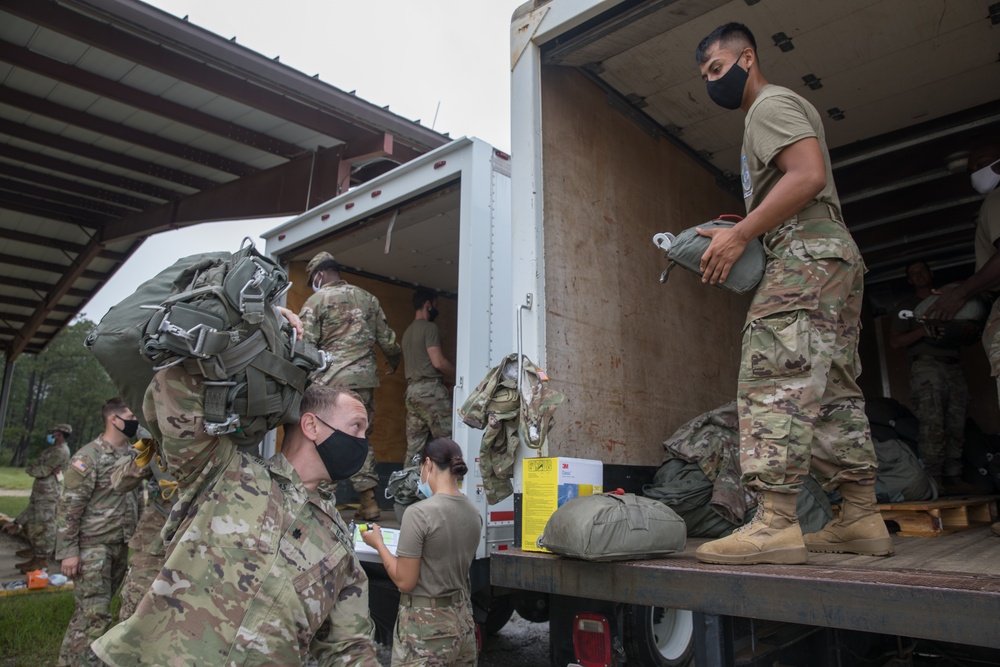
x=592 y=640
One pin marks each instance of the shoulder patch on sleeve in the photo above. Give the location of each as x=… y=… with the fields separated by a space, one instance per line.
x=81 y=466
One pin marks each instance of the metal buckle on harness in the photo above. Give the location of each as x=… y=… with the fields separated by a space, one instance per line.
x=231 y=424
x=257 y=297
x=194 y=338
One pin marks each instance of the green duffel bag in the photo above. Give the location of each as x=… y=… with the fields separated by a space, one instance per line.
x=614 y=526
x=686 y=248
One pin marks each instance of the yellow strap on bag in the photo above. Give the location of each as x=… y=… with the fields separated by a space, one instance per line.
x=146 y=450
x=168 y=488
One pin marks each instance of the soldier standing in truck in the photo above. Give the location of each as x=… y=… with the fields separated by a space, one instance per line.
x=800 y=407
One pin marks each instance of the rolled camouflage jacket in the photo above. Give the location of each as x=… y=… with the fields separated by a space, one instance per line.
x=90 y=510
x=507 y=417
x=347 y=323
x=259 y=569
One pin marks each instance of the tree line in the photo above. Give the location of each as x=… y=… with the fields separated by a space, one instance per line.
x=62 y=384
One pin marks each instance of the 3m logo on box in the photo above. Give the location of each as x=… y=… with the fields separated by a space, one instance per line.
x=547 y=484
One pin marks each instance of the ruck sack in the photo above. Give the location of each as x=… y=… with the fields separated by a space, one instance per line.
x=214 y=314
x=613 y=526
x=686 y=249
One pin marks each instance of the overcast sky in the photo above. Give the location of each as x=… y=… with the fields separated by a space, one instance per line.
x=448 y=58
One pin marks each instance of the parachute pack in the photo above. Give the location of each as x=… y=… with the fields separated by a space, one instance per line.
x=214 y=313
x=687 y=247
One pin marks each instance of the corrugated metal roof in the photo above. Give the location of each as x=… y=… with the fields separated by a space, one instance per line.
x=118 y=120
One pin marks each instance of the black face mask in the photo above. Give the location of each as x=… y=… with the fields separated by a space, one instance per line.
x=343 y=455
x=727 y=91
x=432 y=314
x=129 y=427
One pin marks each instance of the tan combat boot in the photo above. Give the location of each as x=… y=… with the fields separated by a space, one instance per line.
x=772 y=536
x=858 y=530
x=368 y=509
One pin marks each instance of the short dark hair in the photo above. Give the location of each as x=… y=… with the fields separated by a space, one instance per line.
x=728 y=34
x=113 y=406
x=422 y=296
x=445 y=453
x=914 y=263
x=328 y=265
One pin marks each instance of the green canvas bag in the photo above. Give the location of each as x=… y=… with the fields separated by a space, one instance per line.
x=214 y=313
x=685 y=249
x=614 y=526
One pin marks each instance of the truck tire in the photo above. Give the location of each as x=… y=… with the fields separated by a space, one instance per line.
x=658 y=637
x=500 y=610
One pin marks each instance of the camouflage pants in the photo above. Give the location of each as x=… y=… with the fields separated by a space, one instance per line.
x=428 y=415
x=800 y=407
x=441 y=637
x=41 y=533
x=102 y=569
x=367 y=478
x=991 y=341
x=939 y=397
x=142 y=570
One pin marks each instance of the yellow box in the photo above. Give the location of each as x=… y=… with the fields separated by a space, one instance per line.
x=547 y=484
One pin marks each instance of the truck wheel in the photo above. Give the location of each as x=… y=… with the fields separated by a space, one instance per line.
x=658 y=637
x=532 y=607
x=500 y=610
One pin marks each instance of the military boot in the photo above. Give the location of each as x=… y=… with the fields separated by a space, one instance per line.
x=858 y=530
x=27 y=552
x=956 y=486
x=36 y=563
x=772 y=536
x=368 y=509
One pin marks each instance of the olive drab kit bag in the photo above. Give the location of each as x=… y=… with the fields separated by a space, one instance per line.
x=686 y=248
x=614 y=526
x=214 y=314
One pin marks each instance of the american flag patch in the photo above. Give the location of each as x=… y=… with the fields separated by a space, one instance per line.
x=81 y=465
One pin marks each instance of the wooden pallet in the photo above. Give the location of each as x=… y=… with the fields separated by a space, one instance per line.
x=940 y=517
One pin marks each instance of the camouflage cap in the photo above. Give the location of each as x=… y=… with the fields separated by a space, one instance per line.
x=320 y=258
x=65 y=428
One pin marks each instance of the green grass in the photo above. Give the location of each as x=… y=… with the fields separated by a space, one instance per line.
x=15 y=478
x=13 y=505
x=32 y=627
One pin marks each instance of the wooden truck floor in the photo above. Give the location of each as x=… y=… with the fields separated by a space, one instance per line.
x=944 y=588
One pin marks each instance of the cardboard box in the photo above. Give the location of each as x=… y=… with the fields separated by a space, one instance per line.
x=547 y=484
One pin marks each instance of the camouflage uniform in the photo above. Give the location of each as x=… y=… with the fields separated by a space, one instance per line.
x=94 y=522
x=148 y=550
x=800 y=407
x=987 y=234
x=939 y=396
x=506 y=417
x=259 y=569
x=428 y=414
x=347 y=322
x=434 y=637
x=40 y=519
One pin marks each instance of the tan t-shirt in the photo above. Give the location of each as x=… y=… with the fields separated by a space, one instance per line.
x=443 y=532
x=988 y=230
x=777 y=119
x=416 y=339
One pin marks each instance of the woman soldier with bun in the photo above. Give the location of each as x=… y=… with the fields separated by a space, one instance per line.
x=437 y=542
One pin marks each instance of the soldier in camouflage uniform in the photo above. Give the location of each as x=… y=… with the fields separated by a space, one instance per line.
x=260 y=568
x=94 y=523
x=437 y=542
x=984 y=170
x=939 y=394
x=428 y=403
x=800 y=407
x=148 y=550
x=347 y=323
x=39 y=520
